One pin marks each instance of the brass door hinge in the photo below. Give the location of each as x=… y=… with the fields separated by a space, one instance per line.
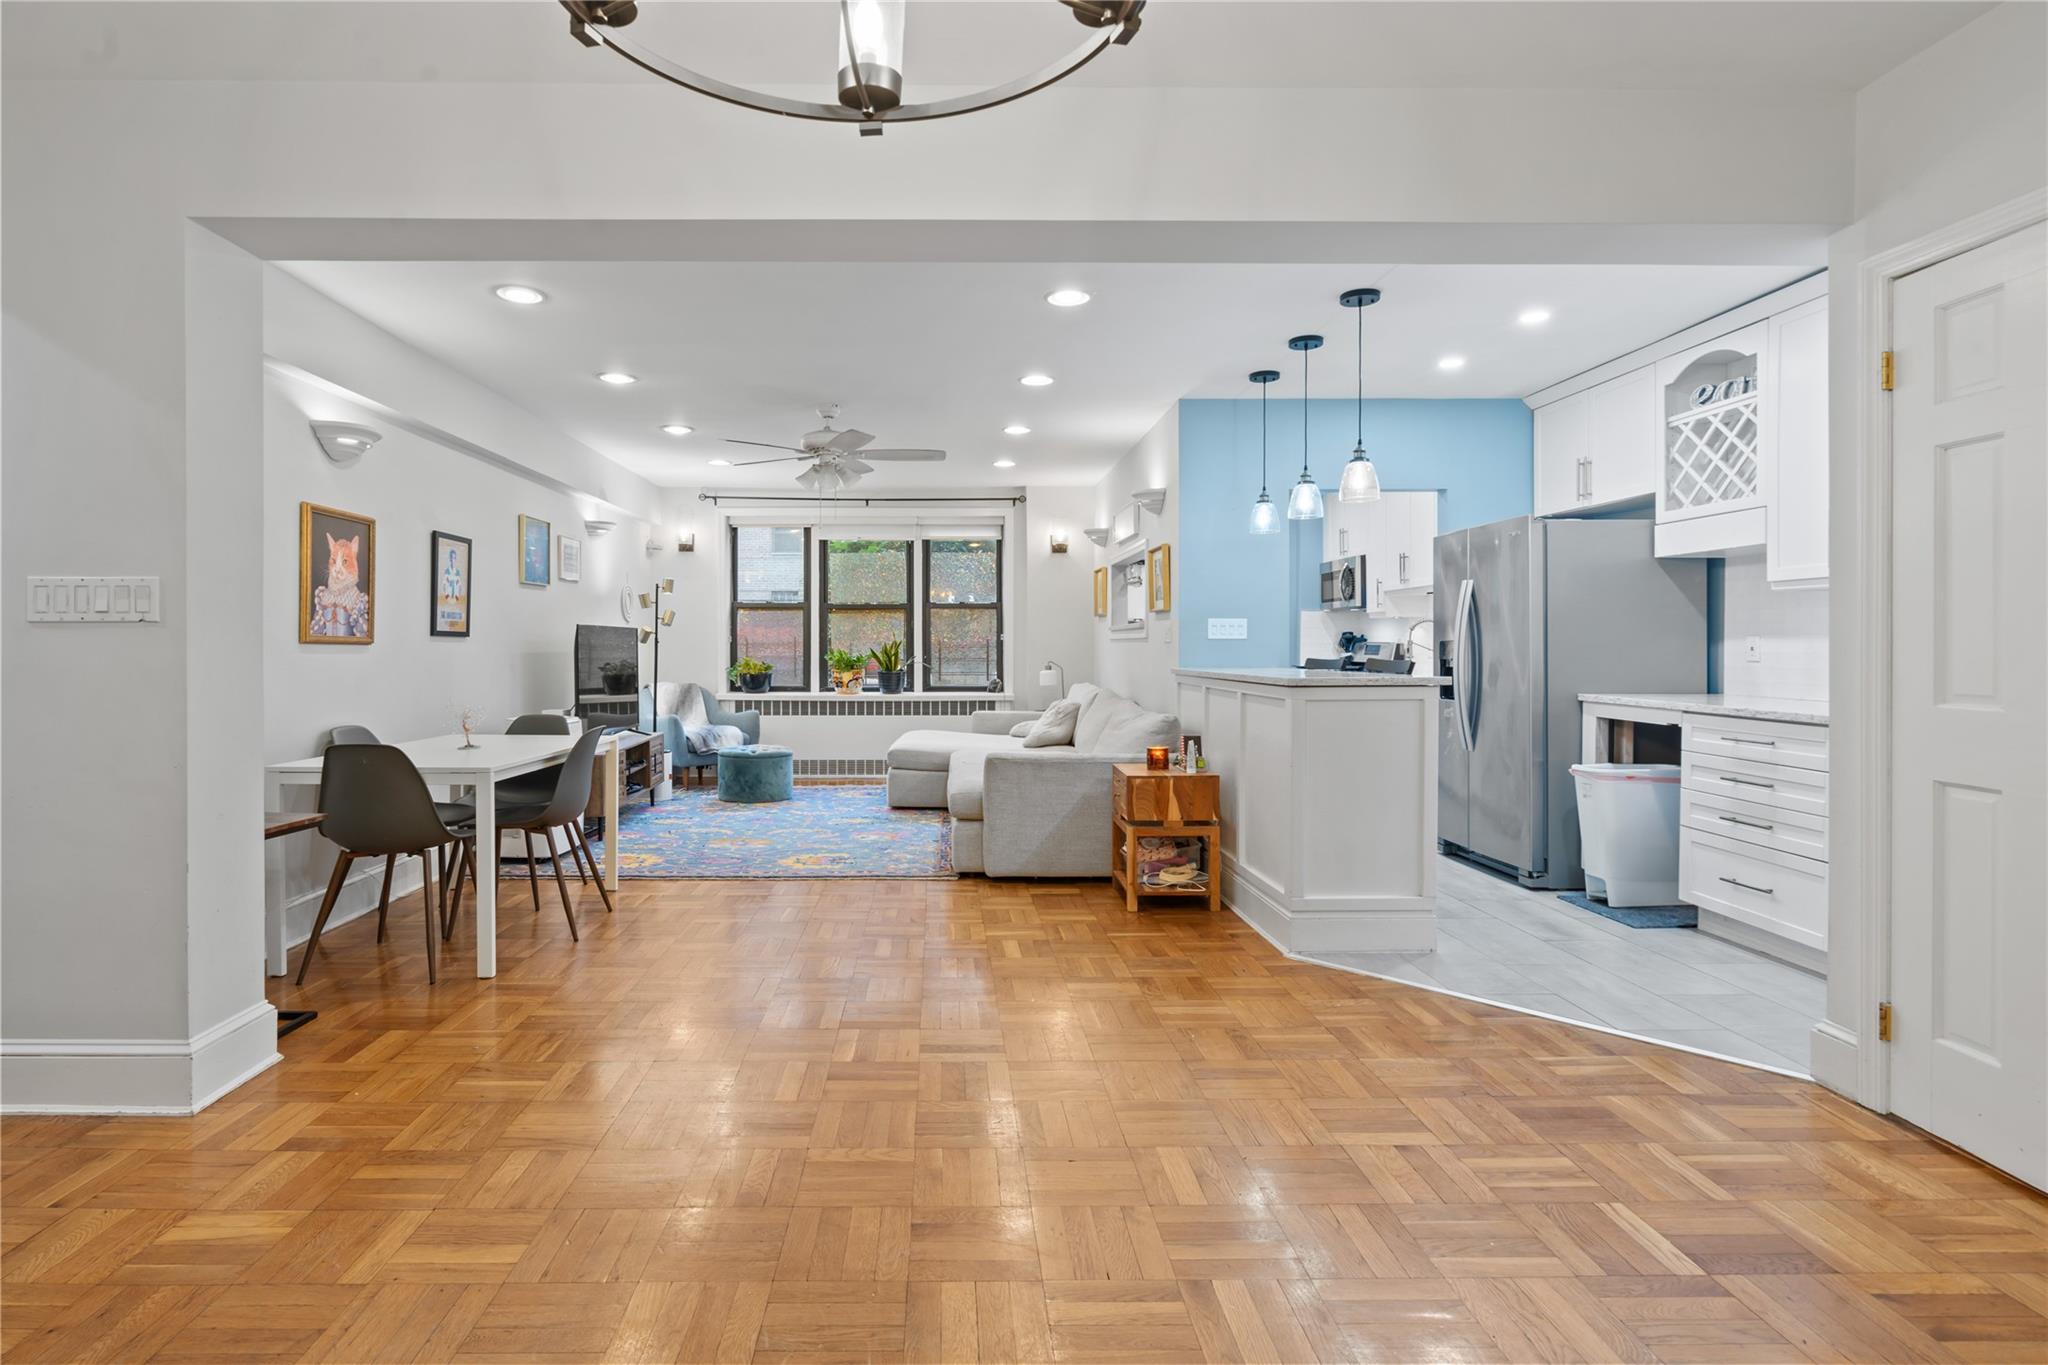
x=1884 y=1021
x=1885 y=371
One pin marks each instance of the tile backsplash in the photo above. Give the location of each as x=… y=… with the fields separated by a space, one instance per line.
x=1790 y=626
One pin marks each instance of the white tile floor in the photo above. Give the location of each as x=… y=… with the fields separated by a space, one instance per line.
x=1530 y=950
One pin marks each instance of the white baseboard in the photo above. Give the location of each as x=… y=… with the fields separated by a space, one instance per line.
x=1402 y=927
x=137 y=1076
x=1763 y=941
x=1833 y=1055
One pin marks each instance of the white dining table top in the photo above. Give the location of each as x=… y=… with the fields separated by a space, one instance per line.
x=497 y=755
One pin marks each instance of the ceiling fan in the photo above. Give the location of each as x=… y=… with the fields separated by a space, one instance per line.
x=829 y=456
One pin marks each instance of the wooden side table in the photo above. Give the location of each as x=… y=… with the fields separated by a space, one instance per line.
x=1153 y=803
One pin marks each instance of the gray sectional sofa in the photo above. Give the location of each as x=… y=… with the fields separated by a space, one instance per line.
x=1018 y=812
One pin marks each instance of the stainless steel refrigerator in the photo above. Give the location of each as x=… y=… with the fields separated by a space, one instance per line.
x=1529 y=614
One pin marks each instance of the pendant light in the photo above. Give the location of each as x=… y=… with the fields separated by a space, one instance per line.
x=1361 y=482
x=1265 y=516
x=1305 y=503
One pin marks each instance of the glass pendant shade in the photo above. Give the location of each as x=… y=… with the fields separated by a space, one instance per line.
x=1305 y=503
x=1361 y=482
x=1265 y=516
x=871 y=36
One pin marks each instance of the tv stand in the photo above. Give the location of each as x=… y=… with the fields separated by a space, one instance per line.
x=640 y=764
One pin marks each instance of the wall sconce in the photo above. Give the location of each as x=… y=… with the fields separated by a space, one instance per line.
x=345 y=442
x=1098 y=534
x=1059 y=542
x=596 y=529
x=653 y=547
x=1153 y=500
x=686 y=542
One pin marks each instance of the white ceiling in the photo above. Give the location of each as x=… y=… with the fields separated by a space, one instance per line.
x=1755 y=45
x=931 y=354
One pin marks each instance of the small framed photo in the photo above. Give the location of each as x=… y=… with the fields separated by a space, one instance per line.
x=536 y=562
x=448 y=584
x=570 y=558
x=1159 y=578
x=1102 y=592
x=337 y=577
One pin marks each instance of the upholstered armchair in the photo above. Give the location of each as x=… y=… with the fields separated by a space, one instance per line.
x=662 y=707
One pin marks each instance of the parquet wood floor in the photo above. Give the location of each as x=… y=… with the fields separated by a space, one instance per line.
x=984 y=1121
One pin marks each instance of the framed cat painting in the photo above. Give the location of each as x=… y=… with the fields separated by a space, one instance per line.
x=337 y=577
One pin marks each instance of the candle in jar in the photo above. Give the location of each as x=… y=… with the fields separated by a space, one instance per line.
x=1155 y=756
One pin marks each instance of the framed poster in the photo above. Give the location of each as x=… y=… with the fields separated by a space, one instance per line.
x=1159 y=578
x=448 y=584
x=570 y=552
x=1102 y=592
x=535 y=546
x=337 y=577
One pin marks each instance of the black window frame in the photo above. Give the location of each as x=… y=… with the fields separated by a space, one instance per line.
x=735 y=606
x=998 y=607
x=826 y=606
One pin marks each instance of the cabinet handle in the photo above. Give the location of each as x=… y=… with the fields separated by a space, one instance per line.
x=1760 y=890
x=1589 y=478
x=1746 y=824
x=1404 y=566
x=1747 y=781
x=1767 y=743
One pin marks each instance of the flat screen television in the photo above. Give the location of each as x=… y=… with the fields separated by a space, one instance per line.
x=608 y=671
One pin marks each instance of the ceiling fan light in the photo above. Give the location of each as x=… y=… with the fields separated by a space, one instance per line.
x=1305 y=503
x=1265 y=516
x=1361 y=482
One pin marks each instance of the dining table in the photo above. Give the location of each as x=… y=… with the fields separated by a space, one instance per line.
x=468 y=764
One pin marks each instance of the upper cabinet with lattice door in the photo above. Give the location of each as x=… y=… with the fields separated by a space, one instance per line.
x=1710 y=483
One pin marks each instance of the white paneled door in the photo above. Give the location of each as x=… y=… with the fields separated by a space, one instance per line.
x=1970 y=703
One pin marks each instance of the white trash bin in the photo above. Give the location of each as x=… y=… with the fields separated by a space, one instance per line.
x=1628 y=831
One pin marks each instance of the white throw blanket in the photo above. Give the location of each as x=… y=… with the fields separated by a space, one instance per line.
x=703 y=736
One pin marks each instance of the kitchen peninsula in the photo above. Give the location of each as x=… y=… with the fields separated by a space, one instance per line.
x=1329 y=788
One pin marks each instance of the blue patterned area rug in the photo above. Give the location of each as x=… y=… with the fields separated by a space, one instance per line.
x=838 y=830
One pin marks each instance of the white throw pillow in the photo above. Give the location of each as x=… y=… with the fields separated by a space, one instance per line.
x=1023 y=727
x=1056 y=726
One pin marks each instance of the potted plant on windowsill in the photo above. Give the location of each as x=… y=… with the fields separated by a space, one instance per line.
x=751 y=674
x=849 y=670
x=889 y=664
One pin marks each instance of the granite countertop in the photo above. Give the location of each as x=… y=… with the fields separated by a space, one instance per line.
x=1734 y=705
x=1311 y=677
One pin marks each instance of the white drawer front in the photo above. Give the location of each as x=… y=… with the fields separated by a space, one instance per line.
x=1765 y=784
x=1775 y=892
x=1787 y=831
x=1760 y=741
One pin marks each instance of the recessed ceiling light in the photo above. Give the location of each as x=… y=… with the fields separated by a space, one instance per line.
x=721 y=463
x=520 y=293
x=1006 y=464
x=678 y=429
x=1450 y=362
x=619 y=377
x=1016 y=429
x=1034 y=380
x=1067 y=298
x=1533 y=317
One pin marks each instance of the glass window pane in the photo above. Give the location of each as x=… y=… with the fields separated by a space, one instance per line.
x=963 y=570
x=775 y=635
x=964 y=649
x=770 y=565
x=863 y=630
x=867 y=571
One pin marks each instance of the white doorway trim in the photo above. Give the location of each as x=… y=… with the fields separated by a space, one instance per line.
x=1867 y=685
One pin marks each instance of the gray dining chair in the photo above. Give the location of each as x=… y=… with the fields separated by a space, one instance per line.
x=376 y=804
x=451 y=813
x=563 y=808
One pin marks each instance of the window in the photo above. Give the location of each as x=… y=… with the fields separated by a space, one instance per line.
x=963 y=614
x=771 y=590
x=866 y=594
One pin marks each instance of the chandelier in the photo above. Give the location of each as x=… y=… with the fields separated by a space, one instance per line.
x=870 y=61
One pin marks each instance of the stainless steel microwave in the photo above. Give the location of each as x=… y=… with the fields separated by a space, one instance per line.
x=1346 y=586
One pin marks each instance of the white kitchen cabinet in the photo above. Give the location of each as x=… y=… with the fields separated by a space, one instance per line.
x=1397 y=535
x=1418 y=570
x=1563 y=431
x=1795 y=435
x=1623 y=440
x=1710 y=486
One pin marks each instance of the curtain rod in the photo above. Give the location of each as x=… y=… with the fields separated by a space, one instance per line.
x=716 y=499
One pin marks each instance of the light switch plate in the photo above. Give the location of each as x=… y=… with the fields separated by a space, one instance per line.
x=123 y=600
x=1228 y=628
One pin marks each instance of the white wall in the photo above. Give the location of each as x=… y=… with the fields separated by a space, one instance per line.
x=1957 y=130
x=1790 y=626
x=1141 y=667
x=1056 y=609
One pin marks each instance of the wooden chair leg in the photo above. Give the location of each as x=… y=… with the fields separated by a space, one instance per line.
x=463 y=863
x=596 y=873
x=561 y=884
x=427 y=916
x=532 y=871
x=576 y=851
x=384 y=896
x=326 y=908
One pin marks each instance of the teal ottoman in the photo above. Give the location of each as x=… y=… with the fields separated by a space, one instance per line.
x=756 y=773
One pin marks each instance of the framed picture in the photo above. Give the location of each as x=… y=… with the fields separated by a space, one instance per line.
x=1102 y=592
x=1128 y=594
x=448 y=584
x=1159 y=578
x=571 y=559
x=535 y=543
x=337 y=577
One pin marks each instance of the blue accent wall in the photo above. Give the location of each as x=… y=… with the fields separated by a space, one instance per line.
x=1478 y=453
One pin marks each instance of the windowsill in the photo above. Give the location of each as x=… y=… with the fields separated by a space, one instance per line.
x=785 y=695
